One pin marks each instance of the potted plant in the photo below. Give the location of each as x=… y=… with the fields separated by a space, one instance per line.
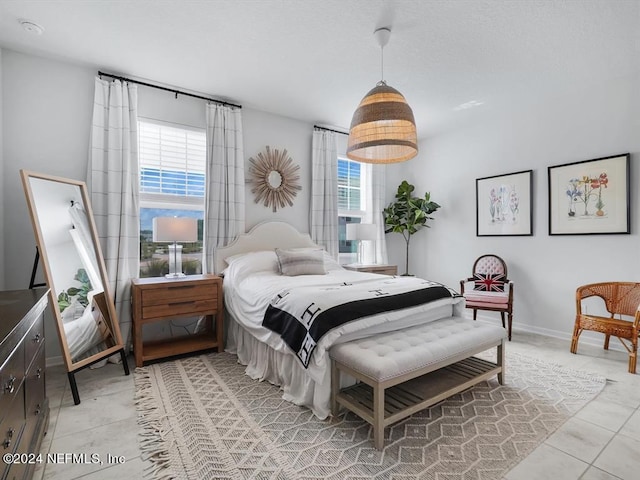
x=408 y=214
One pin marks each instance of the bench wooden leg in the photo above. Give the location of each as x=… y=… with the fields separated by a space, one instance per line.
x=500 y=362
x=335 y=388
x=378 y=417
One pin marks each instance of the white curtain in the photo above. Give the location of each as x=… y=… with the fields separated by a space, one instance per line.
x=112 y=179
x=376 y=252
x=324 y=191
x=224 y=199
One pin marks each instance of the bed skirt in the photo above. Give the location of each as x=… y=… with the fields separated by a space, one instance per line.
x=280 y=369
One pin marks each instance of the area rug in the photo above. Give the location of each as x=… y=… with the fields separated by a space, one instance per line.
x=202 y=418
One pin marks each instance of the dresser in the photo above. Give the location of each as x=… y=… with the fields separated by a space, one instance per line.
x=161 y=299
x=24 y=407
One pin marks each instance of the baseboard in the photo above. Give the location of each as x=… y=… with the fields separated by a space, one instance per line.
x=586 y=338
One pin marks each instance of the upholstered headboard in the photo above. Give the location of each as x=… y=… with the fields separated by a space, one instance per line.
x=264 y=236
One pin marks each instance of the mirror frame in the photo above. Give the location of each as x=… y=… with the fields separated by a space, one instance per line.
x=73 y=366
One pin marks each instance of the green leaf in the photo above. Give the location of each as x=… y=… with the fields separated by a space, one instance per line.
x=408 y=213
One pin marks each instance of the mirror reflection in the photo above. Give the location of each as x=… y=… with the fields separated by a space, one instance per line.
x=75 y=278
x=274 y=179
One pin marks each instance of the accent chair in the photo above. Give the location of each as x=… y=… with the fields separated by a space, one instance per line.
x=621 y=299
x=489 y=289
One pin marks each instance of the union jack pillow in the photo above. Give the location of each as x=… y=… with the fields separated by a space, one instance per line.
x=491 y=282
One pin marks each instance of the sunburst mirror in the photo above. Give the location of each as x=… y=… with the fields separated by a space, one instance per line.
x=275 y=178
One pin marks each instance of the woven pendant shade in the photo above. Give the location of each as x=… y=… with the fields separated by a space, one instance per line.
x=383 y=129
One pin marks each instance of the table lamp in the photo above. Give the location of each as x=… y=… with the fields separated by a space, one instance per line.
x=174 y=229
x=361 y=232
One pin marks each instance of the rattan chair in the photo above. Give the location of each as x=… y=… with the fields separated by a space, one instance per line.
x=621 y=299
x=488 y=288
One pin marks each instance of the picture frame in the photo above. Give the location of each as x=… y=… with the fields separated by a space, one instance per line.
x=504 y=205
x=590 y=197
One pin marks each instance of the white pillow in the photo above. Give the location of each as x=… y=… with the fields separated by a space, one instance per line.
x=331 y=263
x=301 y=261
x=244 y=264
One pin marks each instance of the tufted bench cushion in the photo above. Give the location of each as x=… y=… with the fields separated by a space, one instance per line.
x=392 y=354
x=405 y=371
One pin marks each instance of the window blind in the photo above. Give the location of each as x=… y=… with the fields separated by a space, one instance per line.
x=172 y=160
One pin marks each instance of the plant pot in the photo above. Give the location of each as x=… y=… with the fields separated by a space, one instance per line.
x=600 y=213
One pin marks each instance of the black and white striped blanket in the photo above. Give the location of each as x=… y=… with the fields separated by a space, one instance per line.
x=302 y=315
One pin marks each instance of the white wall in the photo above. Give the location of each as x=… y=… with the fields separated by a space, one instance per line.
x=47 y=113
x=47 y=107
x=262 y=129
x=583 y=124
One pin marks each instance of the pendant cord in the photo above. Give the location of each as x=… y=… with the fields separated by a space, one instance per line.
x=382 y=64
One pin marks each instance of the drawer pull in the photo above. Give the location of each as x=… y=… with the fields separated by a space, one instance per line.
x=37 y=338
x=7 y=441
x=181 y=287
x=38 y=410
x=38 y=372
x=10 y=386
x=173 y=304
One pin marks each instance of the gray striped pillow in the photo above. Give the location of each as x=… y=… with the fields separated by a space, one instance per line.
x=301 y=261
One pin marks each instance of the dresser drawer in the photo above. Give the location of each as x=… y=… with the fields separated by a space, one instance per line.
x=18 y=470
x=34 y=386
x=33 y=340
x=11 y=378
x=12 y=425
x=15 y=471
x=167 y=294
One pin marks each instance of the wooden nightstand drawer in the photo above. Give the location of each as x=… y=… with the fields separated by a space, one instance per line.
x=179 y=307
x=382 y=269
x=161 y=299
x=170 y=294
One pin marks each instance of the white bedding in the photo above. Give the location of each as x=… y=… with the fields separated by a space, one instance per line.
x=250 y=283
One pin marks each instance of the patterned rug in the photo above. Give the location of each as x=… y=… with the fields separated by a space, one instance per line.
x=201 y=417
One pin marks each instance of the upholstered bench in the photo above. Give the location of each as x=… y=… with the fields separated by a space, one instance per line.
x=408 y=370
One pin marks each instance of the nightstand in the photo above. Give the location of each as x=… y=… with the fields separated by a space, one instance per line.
x=160 y=299
x=383 y=269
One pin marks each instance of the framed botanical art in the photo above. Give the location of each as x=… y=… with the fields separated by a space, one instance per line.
x=504 y=204
x=590 y=197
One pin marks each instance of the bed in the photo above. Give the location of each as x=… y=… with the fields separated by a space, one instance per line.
x=259 y=322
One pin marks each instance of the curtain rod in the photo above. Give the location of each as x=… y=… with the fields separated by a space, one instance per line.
x=176 y=92
x=329 y=129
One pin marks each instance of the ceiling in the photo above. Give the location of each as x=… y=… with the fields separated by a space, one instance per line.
x=314 y=60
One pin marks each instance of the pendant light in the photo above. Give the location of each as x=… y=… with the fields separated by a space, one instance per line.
x=383 y=129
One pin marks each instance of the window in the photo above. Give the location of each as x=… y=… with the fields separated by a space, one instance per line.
x=352 y=190
x=172 y=184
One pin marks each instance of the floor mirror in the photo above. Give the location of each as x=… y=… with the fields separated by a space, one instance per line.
x=71 y=258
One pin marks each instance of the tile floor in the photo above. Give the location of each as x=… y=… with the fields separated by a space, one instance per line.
x=599 y=442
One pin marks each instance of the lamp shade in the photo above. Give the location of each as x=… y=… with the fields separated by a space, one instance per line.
x=361 y=231
x=383 y=129
x=173 y=229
